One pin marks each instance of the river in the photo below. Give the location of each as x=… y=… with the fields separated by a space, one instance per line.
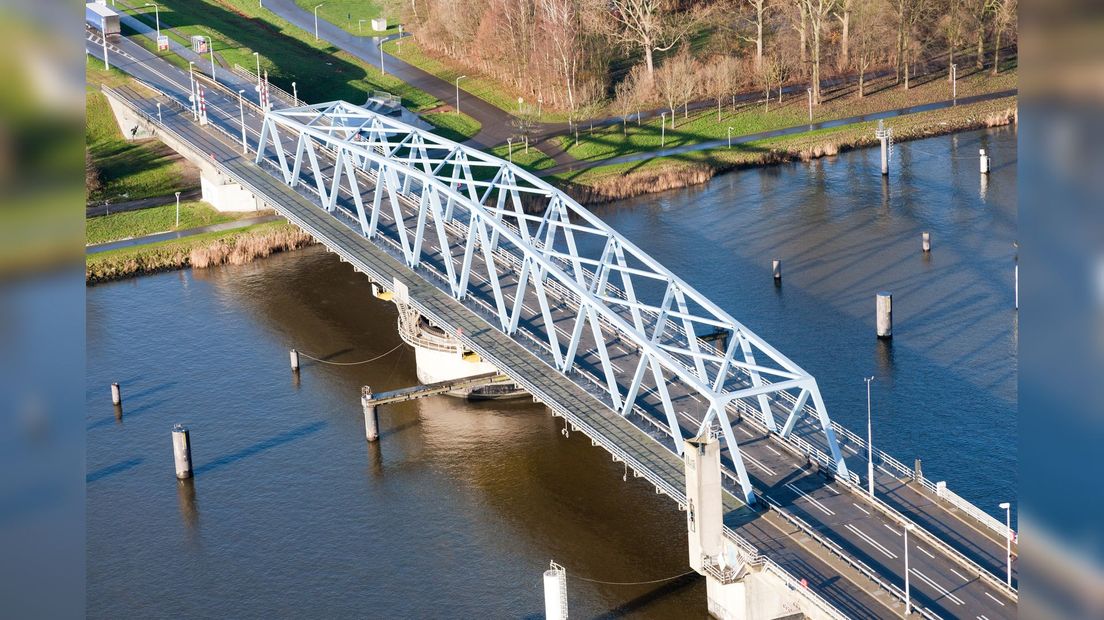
x=459 y=507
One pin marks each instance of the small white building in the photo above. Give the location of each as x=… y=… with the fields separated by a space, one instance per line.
x=102 y=18
x=379 y=24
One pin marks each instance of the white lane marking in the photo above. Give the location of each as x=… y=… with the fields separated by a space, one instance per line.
x=884 y=470
x=776 y=452
x=1000 y=602
x=925 y=552
x=861 y=508
x=891 y=529
x=745 y=431
x=850 y=449
x=873 y=543
x=961 y=576
x=982 y=618
x=811 y=499
x=755 y=461
x=832 y=489
x=939 y=588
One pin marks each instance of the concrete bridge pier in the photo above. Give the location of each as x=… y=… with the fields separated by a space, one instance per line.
x=738 y=587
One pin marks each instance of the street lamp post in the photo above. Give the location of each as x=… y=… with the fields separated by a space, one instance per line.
x=663 y=128
x=1008 y=540
x=810 y=91
x=869 y=441
x=178 y=209
x=520 y=101
x=458 y=92
x=156 y=17
x=107 y=65
x=382 y=69
x=954 y=82
x=241 y=110
x=295 y=94
x=360 y=26
x=211 y=50
x=316 y=21
x=191 y=85
x=729 y=137
x=510 y=145
x=908 y=603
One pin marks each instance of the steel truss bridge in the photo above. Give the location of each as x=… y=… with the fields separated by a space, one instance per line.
x=610 y=340
x=547 y=271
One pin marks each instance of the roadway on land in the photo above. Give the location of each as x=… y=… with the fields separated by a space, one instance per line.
x=838 y=515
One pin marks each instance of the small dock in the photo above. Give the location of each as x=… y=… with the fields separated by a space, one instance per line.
x=430 y=389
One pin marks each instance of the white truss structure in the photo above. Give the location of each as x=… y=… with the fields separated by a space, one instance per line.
x=538 y=259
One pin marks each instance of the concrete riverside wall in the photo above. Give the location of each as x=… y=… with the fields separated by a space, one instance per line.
x=759 y=595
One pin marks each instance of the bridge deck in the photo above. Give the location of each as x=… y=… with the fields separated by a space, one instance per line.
x=779 y=473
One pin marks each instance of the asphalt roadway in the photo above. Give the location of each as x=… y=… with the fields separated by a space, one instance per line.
x=939 y=583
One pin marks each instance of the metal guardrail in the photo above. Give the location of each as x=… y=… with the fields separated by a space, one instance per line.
x=578 y=424
x=252 y=77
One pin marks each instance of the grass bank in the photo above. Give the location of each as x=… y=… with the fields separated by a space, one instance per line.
x=703 y=126
x=321 y=71
x=125 y=170
x=235 y=247
x=618 y=181
x=347 y=15
x=129 y=224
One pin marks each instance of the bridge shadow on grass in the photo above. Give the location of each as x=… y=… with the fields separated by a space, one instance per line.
x=111 y=470
x=261 y=446
x=319 y=75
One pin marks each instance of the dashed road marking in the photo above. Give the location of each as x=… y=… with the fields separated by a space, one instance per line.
x=865 y=511
x=873 y=543
x=954 y=599
x=1000 y=602
x=925 y=552
x=812 y=500
x=963 y=577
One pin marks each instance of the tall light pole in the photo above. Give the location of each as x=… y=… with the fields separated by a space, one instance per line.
x=954 y=82
x=295 y=94
x=382 y=70
x=241 y=110
x=257 y=55
x=178 y=209
x=908 y=604
x=107 y=66
x=869 y=441
x=360 y=26
x=211 y=50
x=316 y=21
x=1008 y=540
x=729 y=137
x=458 y=92
x=663 y=127
x=156 y=17
x=810 y=91
x=510 y=145
x=191 y=85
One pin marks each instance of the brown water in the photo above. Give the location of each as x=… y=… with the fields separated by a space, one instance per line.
x=458 y=509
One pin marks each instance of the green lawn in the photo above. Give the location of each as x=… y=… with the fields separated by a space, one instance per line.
x=534 y=160
x=137 y=170
x=238 y=28
x=453 y=126
x=346 y=14
x=603 y=143
x=759 y=152
x=153 y=220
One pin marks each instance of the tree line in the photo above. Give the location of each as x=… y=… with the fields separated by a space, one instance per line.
x=574 y=55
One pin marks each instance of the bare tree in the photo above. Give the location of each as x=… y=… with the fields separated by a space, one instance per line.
x=982 y=9
x=843 y=14
x=817 y=11
x=758 y=10
x=1004 y=13
x=722 y=76
x=625 y=100
x=649 y=26
x=675 y=80
x=951 y=25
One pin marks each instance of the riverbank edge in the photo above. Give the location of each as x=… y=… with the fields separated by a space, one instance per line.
x=233 y=247
x=605 y=184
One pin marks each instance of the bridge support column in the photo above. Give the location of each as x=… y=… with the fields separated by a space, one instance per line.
x=225 y=195
x=704 y=507
x=371 y=417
